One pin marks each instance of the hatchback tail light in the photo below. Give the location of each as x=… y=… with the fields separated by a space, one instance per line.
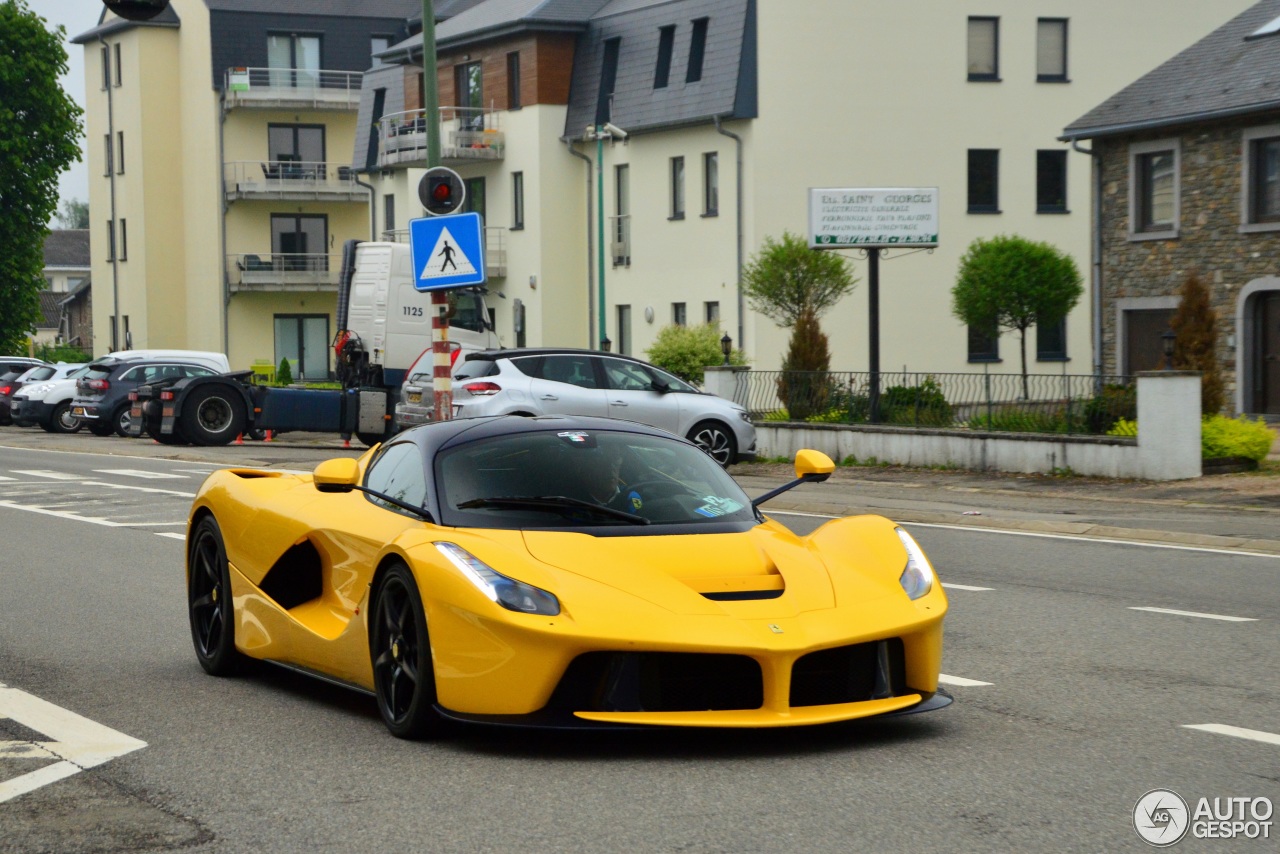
x=483 y=389
x=98 y=385
x=6 y=389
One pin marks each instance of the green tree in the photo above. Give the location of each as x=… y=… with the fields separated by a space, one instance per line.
x=39 y=138
x=1195 y=343
x=686 y=351
x=74 y=214
x=804 y=386
x=786 y=278
x=1009 y=282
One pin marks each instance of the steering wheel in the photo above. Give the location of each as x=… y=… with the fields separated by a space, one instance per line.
x=648 y=490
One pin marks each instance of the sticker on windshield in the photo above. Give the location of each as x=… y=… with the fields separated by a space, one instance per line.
x=578 y=439
x=636 y=501
x=713 y=506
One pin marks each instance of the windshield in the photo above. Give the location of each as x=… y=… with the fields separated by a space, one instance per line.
x=493 y=483
x=35 y=375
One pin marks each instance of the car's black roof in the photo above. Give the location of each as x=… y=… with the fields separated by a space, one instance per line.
x=513 y=353
x=440 y=435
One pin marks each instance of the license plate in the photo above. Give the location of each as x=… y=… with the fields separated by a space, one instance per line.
x=415 y=397
x=77 y=410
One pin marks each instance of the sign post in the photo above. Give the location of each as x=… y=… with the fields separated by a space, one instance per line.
x=873 y=218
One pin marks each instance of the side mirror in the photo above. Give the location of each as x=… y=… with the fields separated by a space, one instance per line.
x=813 y=466
x=340 y=475
x=660 y=387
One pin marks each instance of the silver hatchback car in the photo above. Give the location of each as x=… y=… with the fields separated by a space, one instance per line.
x=559 y=381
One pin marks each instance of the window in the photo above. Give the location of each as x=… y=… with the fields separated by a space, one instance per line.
x=984 y=343
x=111 y=239
x=711 y=184
x=124 y=240
x=1261 y=179
x=299 y=243
x=677 y=188
x=984 y=49
x=1153 y=189
x=106 y=66
x=303 y=339
x=119 y=152
x=475 y=201
x=1051 y=181
x=513 y=80
x=398 y=472
x=608 y=79
x=678 y=315
x=119 y=79
x=624 y=330
x=108 y=155
x=389 y=212
x=377 y=44
x=517 y=200
x=711 y=311
x=468 y=81
x=622 y=216
x=294 y=61
x=1051 y=341
x=666 y=43
x=296 y=151
x=697 y=50
x=1051 y=50
x=1142 y=344
x=984 y=180
x=574 y=370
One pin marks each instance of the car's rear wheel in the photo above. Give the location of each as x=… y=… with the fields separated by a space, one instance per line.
x=122 y=420
x=61 y=420
x=717 y=440
x=403 y=677
x=209 y=601
x=213 y=416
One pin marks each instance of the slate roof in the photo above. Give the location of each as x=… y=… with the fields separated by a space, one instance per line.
x=50 y=310
x=488 y=19
x=1225 y=74
x=67 y=247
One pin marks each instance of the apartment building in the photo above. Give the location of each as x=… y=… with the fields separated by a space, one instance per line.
x=220 y=136
x=732 y=110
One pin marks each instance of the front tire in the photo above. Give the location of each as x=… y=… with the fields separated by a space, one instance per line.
x=209 y=601
x=717 y=440
x=213 y=416
x=403 y=676
x=62 y=421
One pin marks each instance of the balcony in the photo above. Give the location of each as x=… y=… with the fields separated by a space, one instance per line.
x=250 y=273
x=466 y=135
x=495 y=248
x=620 y=240
x=291 y=180
x=291 y=89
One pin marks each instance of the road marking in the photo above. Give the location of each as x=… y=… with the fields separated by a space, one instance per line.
x=77 y=741
x=61 y=514
x=2 y=477
x=50 y=475
x=951 y=586
x=1196 y=614
x=152 y=524
x=150 y=489
x=960 y=681
x=1237 y=732
x=171 y=536
x=154 y=475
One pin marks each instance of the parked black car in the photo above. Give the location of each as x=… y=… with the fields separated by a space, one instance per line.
x=102 y=392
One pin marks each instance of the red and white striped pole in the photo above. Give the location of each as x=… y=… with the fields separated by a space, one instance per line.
x=441 y=365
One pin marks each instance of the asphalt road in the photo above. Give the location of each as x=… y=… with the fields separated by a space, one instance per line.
x=1084 y=705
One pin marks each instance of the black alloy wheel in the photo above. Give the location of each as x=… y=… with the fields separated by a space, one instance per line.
x=209 y=601
x=403 y=676
x=61 y=420
x=717 y=440
x=122 y=420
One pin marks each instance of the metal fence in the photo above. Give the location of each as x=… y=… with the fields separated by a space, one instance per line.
x=1036 y=403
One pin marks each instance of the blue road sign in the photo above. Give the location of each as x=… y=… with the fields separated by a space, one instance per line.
x=447 y=251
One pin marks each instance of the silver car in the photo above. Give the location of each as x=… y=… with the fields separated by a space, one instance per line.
x=588 y=382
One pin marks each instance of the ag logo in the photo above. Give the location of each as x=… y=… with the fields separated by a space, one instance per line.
x=1161 y=817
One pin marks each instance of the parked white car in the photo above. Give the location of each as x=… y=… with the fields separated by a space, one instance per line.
x=545 y=381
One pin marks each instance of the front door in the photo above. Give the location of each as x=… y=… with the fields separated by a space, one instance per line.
x=1267 y=326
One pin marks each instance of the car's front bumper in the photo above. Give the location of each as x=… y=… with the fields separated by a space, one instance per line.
x=28 y=412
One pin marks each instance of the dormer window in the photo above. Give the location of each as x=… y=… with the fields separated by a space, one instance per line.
x=697 y=49
x=666 y=43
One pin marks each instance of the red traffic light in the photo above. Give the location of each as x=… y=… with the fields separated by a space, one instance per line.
x=441 y=191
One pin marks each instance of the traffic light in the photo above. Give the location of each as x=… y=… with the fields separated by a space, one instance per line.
x=136 y=10
x=441 y=191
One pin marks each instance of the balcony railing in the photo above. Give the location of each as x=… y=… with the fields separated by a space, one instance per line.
x=291 y=180
x=620 y=240
x=283 y=272
x=495 y=248
x=466 y=134
x=296 y=88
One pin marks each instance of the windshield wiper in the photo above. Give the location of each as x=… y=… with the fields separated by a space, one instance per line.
x=555 y=503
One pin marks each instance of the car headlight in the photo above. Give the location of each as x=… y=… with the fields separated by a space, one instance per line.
x=744 y=415
x=507 y=592
x=918 y=578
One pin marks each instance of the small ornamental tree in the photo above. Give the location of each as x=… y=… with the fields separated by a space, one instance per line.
x=786 y=278
x=1010 y=282
x=284 y=373
x=1195 y=343
x=39 y=138
x=804 y=386
x=687 y=351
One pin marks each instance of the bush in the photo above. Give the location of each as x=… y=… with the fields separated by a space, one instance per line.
x=916 y=404
x=1221 y=436
x=805 y=385
x=1124 y=427
x=1027 y=421
x=687 y=350
x=284 y=373
x=1115 y=403
x=62 y=353
x=1195 y=346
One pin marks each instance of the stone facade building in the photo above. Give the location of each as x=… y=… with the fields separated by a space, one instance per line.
x=1187 y=164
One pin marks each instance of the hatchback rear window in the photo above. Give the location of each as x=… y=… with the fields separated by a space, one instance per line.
x=473 y=368
x=97 y=372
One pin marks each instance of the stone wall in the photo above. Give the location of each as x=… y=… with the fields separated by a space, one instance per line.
x=1209 y=241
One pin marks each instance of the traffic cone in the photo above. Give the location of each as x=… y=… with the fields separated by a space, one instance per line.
x=268 y=439
x=239 y=439
x=346 y=443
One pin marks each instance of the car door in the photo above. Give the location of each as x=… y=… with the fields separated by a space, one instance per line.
x=568 y=384
x=633 y=395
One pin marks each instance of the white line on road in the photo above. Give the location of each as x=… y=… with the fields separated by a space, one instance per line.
x=78 y=741
x=1237 y=732
x=154 y=475
x=951 y=586
x=149 y=489
x=50 y=475
x=960 y=681
x=1196 y=614
x=61 y=514
x=171 y=536
x=2 y=477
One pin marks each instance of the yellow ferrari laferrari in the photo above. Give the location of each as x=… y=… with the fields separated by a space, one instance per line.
x=561 y=572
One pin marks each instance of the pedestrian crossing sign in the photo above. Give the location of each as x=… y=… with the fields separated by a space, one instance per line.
x=447 y=251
